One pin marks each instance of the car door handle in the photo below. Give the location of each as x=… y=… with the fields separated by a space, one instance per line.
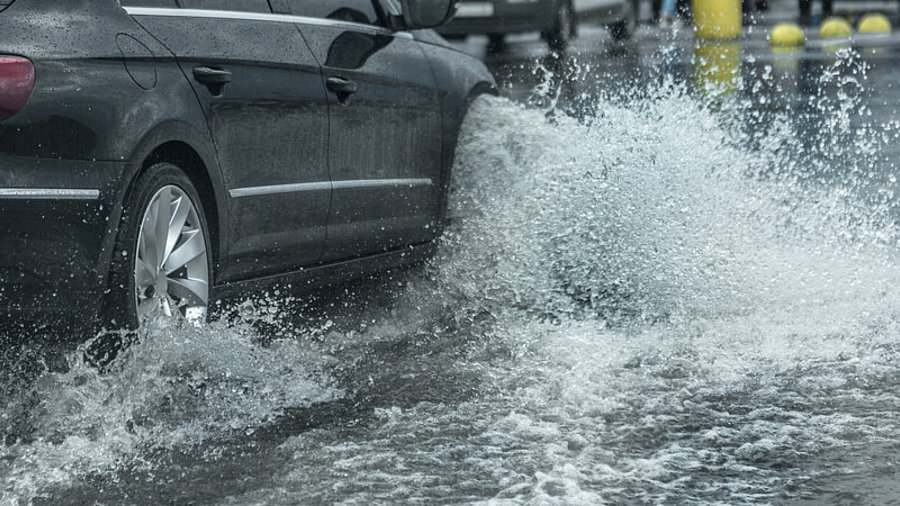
x=341 y=86
x=212 y=76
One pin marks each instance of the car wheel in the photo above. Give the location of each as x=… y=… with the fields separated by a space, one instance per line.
x=625 y=27
x=162 y=262
x=564 y=27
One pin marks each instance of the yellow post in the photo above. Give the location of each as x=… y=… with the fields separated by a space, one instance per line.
x=717 y=19
x=717 y=68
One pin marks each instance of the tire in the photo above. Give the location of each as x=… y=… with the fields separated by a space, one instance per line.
x=565 y=27
x=625 y=27
x=171 y=277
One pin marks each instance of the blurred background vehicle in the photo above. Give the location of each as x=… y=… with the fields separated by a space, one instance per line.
x=556 y=20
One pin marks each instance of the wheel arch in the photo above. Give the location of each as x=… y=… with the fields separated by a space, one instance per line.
x=483 y=87
x=186 y=158
x=182 y=145
x=459 y=78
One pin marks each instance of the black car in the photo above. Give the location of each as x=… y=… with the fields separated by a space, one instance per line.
x=556 y=20
x=156 y=155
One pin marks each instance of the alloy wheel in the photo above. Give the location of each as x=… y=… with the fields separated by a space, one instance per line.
x=171 y=269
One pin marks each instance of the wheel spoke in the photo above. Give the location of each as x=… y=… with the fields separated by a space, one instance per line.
x=197 y=268
x=190 y=249
x=161 y=226
x=144 y=275
x=192 y=292
x=148 y=249
x=166 y=306
x=176 y=225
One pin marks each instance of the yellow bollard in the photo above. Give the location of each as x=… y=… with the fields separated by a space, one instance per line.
x=834 y=28
x=717 y=19
x=874 y=23
x=786 y=35
x=717 y=68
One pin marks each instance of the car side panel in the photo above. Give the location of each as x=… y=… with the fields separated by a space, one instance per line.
x=270 y=126
x=384 y=145
x=78 y=133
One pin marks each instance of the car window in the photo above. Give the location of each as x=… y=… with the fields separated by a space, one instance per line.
x=150 y=3
x=356 y=11
x=227 y=5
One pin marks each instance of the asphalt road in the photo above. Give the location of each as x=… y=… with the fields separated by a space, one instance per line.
x=671 y=278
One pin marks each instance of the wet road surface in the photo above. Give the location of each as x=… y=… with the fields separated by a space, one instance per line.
x=672 y=277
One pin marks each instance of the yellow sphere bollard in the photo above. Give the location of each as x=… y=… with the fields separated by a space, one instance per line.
x=874 y=23
x=787 y=35
x=834 y=28
x=717 y=19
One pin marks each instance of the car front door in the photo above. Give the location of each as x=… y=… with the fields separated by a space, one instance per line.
x=261 y=91
x=385 y=135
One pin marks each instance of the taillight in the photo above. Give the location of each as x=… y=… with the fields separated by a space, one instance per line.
x=16 y=83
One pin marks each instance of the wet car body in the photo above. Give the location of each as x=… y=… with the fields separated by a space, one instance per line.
x=299 y=179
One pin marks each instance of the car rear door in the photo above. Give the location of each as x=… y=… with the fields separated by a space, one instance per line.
x=262 y=93
x=385 y=135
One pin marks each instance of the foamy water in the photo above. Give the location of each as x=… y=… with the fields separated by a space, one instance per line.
x=180 y=387
x=647 y=305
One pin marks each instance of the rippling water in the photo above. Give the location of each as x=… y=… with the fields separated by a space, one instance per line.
x=651 y=303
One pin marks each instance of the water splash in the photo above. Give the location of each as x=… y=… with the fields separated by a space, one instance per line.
x=681 y=315
x=625 y=216
x=178 y=387
x=658 y=302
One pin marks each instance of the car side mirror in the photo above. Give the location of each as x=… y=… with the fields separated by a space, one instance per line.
x=419 y=14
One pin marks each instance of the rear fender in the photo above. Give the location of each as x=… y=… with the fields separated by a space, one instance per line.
x=197 y=140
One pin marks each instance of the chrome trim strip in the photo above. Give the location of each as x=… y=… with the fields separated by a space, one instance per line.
x=260 y=16
x=48 y=194
x=379 y=183
x=257 y=191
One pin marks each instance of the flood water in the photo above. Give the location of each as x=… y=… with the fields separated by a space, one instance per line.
x=672 y=276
